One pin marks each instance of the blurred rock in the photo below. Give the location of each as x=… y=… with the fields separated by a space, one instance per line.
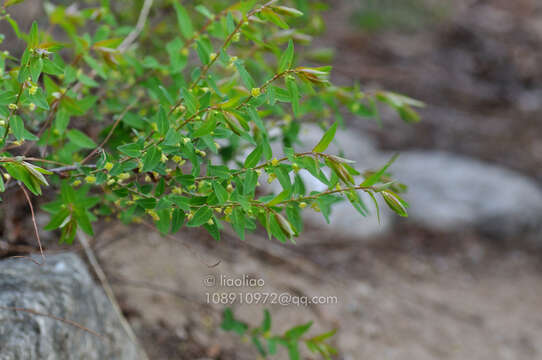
x=62 y=287
x=448 y=192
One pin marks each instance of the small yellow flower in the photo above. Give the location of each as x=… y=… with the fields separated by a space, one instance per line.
x=7 y=176
x=13 y=106
x=296 y=167
x=271 y=178
x=302 y=205
x=274 y=162
x=124 y=176
x=32 y=106
x=76 y=183
x=147 y=178
x=111 y=181
x=33 y=90
x=211 y=221
x=177 y=190
x=186 y=140
x=255 y=92
x=185 y=52
x=108 y=166
x=229 y=188
x=164 y=158
x=90 y=179
x=152 y=214
x=228 y=210
x=154 y=126
x=212 y=56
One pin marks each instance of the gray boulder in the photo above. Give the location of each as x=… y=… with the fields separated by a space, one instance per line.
x=450 y=192
x=62 y=287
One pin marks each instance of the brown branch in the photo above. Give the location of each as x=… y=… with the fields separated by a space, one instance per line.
x=33 y=220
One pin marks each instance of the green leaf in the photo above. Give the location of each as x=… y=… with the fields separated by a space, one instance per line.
x=163 y=125
x=203 y=53
x=293 y=351
x=189 y=100
x=36 y=66
x=33 y=39
x=239 y=222
x=183 y=19
x=22 y=174
x=245 y=76
x=279 y=198
x=177 y=60
x=326 y=139
x=293 y=93
x=274 y=18
x=254 y=157
x=83 y=221
x=80 y=139
x=230 y=324
x=62 y=120
x=266 y=324
x=151 y=159
x=57 y=220
x=207 y=127
x=287 y=57
x=251 y=179
x=204 y=11
x=395 y=202
x=200 y=217
x=14 y=24
x=163 y=224
x=374 y=178
x=177 y=220
x=220 y=192
x=39 y=99
x=52 y=68
x=17 y=127
x=132 y=149
x=298 y=331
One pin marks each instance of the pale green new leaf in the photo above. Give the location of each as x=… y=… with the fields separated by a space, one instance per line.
x=326 y=139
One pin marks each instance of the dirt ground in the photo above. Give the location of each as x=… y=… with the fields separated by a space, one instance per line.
x=402 y=298
x=413 y=294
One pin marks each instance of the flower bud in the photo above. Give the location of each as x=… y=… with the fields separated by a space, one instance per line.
x=255 y=92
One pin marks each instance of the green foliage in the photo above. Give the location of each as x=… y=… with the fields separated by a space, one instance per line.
x=172 y=126
x=267 y=343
